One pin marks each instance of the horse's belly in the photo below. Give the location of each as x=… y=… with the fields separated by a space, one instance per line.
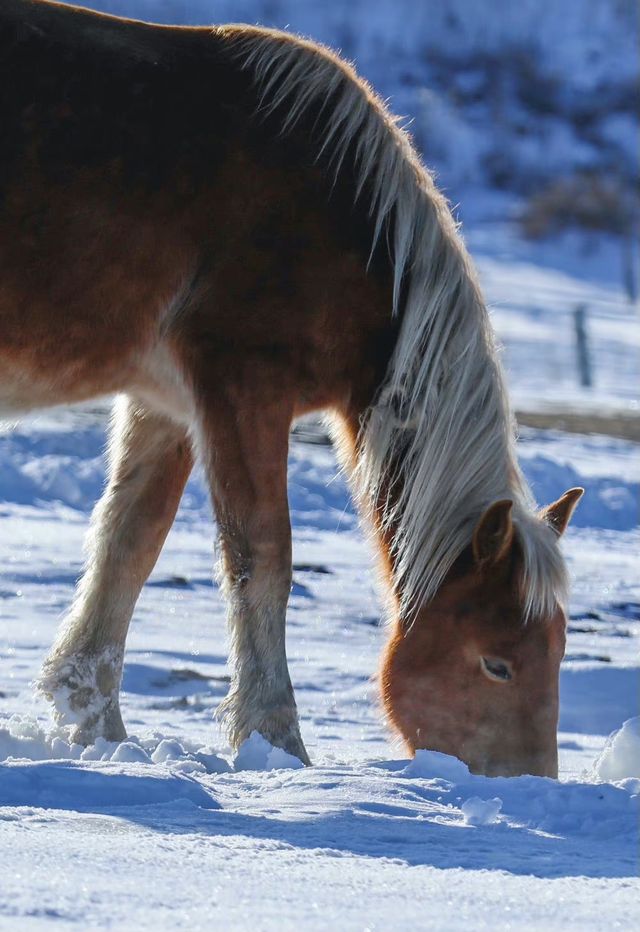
x=24 y=388
x=51 y=358
x=21 y=390
x=75 y=334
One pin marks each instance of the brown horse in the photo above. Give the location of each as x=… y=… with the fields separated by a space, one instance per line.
x=227 y=226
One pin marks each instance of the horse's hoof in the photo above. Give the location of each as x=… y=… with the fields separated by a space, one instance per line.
x=107 y=724
x=288 y=740
x=296 y=748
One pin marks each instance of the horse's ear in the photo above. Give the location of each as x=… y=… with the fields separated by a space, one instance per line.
x=558 y=514
x=493 y=536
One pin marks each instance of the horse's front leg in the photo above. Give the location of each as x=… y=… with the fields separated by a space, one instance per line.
x=244 y=445
x=150 y=461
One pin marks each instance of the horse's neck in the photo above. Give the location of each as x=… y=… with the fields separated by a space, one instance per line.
x=427 y=514
x=438 y=446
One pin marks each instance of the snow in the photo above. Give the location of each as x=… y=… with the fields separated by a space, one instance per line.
x=67 y=785
x=620 y=757
x=338 y=844
x=257 y=754
x=429 y=763
x=129 y=753
x=478 y=811
x=171 y=829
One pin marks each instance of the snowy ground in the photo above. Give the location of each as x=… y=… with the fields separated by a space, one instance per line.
x=534 y=292
x=168 y=831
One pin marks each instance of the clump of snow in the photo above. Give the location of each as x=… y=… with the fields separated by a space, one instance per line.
x=130 y=753
x=620 y=757
x=478 y=811
x=257 y=754
x=433 y=764
x=24 y=739
x=184 y=756
x=187 y=765
x=168 y=750
x=101 y=750
x=173 y=755
x=211 y=762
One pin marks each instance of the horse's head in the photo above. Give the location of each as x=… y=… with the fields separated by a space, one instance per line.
x=470 y=677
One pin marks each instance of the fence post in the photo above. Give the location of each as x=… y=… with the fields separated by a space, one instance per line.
x=582 y=345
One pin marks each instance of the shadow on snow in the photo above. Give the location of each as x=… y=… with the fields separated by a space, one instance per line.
x=413 y=822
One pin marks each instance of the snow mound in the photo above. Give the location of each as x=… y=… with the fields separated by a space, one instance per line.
x=130 y=753
x=478 y=811
x=620 y=757
x=85 y=787
x=257 y=754
x=24 y=739
x=538 y=804
x=45 y=771
x=430 y=765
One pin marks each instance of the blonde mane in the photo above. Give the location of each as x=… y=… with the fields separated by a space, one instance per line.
x=440 y=436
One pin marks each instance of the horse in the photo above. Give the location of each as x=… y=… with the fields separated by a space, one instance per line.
x=226 y=228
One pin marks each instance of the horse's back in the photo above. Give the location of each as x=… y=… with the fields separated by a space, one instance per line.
x=101 y=119
x=76 y=27
x=142 y=195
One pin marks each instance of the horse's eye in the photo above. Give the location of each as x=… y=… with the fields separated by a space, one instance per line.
x=495 y=669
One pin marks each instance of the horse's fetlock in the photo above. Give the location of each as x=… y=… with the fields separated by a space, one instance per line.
x=83 y=689
x=80 y=698
x=107 y=679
